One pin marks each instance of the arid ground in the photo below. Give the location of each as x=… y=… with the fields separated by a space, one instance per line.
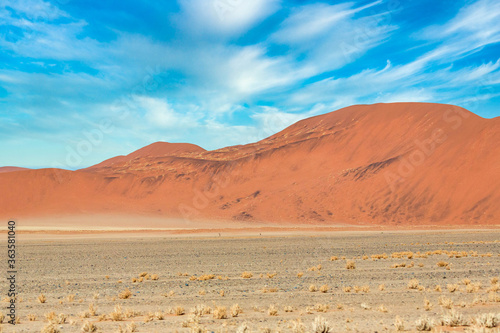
x=193 y=283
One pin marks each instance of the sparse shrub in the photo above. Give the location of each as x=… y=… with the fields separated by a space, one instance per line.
x=453 y=319
x=413 y=284
x=246 y=275
x=452 y=287
x=494 y=280
x=41 y=298
x=424 y=324
x=445 y=302
x=235 y=310
x=155 y=277
x=324 y=288
x=365 y=306
x=399 y=324
x=442 y=264
x=125 y=294
x=132 y=327
x=466 y=281
x=288 y=308
x=50 y=328
x=321 y=307
x=243 y=328
x=89 y=327
x=346 y=289
x=117 y=314
x=202 y=292
x=382 y=308
x=220 y=312
x=312 y=288
x=333 y=258
x=298 y=326
x=30 y=317
x=179 y=311
x=381 y=287
x=488 y=320
x=320 y=325
x=300 y=274
x=206 y=277
x=350 y=264
x=272 y=311
x=427 y=305
x=437 y=288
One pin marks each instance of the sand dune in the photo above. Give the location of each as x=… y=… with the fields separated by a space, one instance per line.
x=401 y=163
x=11 y=169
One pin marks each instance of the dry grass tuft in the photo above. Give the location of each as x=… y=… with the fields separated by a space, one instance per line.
x=321 y=307
x=350 y=264
x=488 y=320
x=125 y=294
x=246 y=275
x=347 y=289
x=313 y=288
x=220 y=312
x=381 y=287
x=179 y=311
x=382 y=308
x=206 y=277
x=50 y=328
x=445 y=302
x=89 y=327
x=442 y=264
x=272 y=311
x=117 y=314
x=413 y=284
x=300 y=274
x=41 y=298
x=427 y=305
x=235 y=310
x=437 y=288
x=454 y=319
x=324 y=288
x=399 y=324
x=452 y=287
x=320 y=325
x=424 y=324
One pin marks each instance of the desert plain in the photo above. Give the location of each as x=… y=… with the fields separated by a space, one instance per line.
x=262 y=280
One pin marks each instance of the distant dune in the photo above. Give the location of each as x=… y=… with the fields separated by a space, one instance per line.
x=11 y=168
x=382 y=164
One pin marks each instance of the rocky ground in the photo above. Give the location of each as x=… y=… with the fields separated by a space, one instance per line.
x=184 y=284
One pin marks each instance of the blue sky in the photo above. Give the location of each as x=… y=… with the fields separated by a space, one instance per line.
x=82 y=81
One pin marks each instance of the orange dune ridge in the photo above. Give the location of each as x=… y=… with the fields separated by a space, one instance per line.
x=381 y=164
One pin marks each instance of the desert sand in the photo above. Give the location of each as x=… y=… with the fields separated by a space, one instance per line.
x=184 y=283
x=381 y=164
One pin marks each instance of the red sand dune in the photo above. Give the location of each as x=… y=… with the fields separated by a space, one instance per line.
x=401 y=163
x=11 y=169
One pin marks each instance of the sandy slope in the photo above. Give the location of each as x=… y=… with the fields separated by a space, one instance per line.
x=402 y=163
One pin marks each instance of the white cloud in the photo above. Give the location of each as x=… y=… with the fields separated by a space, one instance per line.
x=34 y=9
x=327 y=37
x=223 y=17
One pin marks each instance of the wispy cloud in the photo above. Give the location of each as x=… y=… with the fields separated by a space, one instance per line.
x=224 y=72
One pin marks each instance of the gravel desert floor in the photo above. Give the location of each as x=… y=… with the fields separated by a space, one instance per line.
x=366 y=281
